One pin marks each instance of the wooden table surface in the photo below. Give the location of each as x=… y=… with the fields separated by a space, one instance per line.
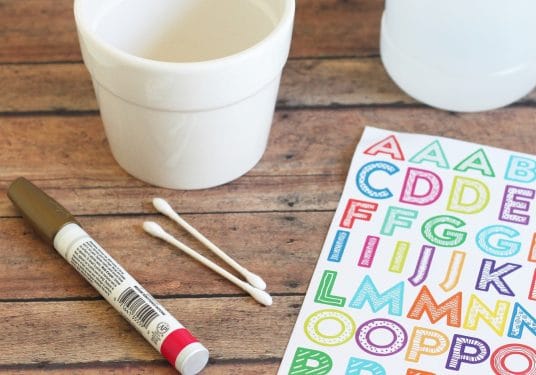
x=273 y=219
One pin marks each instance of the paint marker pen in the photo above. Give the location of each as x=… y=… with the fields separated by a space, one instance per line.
x=59 y=228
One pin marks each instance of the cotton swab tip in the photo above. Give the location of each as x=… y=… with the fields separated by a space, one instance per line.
x=154 y=229
x=163 y=206
x=261 y=296
x=254 y=280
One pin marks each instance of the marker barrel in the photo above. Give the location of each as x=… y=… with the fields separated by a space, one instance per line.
x=131 y=300
x=58 y=227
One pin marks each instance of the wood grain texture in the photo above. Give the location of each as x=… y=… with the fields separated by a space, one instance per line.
x=353 y=24
x=37 y=31
x=303 y=168
x=305 y=83
x=160 y=367
x=78 y=154
x=44 y=30
x=274 y=219
x=282 y=247
x=46 y=88
x=249 y=194
x=360 y=81
x=74 y=332
x=299 y=145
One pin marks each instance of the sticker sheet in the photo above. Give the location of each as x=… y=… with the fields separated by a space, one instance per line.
x=428 y=267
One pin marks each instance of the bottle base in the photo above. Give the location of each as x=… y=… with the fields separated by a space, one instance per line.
x=453 y=92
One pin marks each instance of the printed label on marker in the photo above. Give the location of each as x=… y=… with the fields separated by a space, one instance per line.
x=136 y=307
x=121 y=290
x=97 y=266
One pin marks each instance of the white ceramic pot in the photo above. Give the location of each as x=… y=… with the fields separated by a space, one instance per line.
x=461 y=55
x=186 y=88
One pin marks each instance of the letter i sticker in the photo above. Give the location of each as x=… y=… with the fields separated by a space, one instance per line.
x=532 y=294
x=532 y=252
x=532 y=258
x=369 y=251
x=399 y=257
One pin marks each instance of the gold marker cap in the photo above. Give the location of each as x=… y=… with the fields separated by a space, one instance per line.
x=45 y=215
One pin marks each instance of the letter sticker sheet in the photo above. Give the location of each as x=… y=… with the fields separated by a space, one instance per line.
x=429 y=265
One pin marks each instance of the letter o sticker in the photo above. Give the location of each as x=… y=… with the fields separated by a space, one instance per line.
x=398 y=338
x=499 y=356
x=329 y=327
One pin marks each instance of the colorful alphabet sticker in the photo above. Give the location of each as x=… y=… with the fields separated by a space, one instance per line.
x=429 y=266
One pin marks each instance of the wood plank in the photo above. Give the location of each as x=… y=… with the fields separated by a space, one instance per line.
x=91 y=331
x=338 y=82
x=345 y=82
x=44 y=30
x=46 y=87
x=261 y=193
x=73 y=149
x=305 y=83
x=70 y=155
x=301 y=133
x=37 y=31
x=267 y=367
x=303 y=168
x=282 y=247
x=353 y=24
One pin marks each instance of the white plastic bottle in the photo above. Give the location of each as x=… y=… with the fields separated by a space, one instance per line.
x=461 y=55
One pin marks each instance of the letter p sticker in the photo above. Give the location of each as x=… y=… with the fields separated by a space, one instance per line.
x=466 y=349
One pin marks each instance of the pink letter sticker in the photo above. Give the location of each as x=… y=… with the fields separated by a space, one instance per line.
x=415 y=179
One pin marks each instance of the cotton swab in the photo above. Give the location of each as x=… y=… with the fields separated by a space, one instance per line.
x=157 y=231
x=163 y=207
